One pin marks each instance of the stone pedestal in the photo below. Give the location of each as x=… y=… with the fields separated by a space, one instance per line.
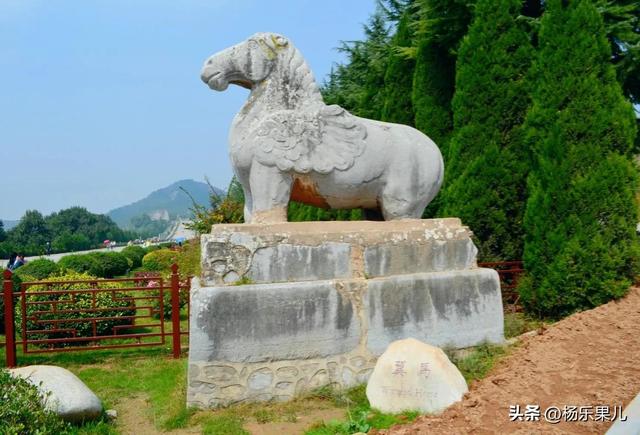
x=282 y=309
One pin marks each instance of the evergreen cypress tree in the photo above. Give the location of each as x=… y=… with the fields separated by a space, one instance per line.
x=441 y=26
x=398 y=80
x=487 y=166
x=581 y=249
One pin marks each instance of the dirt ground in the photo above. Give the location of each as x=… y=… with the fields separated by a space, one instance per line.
x=588 y=359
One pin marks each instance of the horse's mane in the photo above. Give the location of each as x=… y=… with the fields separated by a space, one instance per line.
x=295 y=69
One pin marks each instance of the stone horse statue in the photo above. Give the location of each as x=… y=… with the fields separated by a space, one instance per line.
x=287 y=144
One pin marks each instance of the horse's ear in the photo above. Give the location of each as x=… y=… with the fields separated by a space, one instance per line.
x=280 y=41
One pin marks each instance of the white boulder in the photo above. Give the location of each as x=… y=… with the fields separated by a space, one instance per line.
x=414 y=376
x=63 y=392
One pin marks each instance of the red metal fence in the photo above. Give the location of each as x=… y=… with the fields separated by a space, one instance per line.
x=509 y=272
x=60 y=316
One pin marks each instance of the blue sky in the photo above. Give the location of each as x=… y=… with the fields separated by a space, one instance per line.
x=101 y=100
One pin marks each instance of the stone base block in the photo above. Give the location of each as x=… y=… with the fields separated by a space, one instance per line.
x=274 y=341
x=325 y=300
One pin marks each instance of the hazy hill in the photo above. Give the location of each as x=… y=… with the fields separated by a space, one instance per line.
x=160 y=208
x=9 y=224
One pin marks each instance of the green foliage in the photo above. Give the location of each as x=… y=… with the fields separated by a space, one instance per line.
x=31 y=234
x=160 y=260
x=134 y=254
x=477 y=364
x=99 y=264
x=622 y=25
x=441 y=25
x=360 y=416
x=299 y=212
x=189 y=258
x=223 y=209
x=116 y=306
x=81 y=263
x=516 y=324
x=489 y=106
x=356 y=85
x=68 y=242
x=398 y=79
x=21 y=412
x=71 y=229
x=581 y=249
x=111 y=264
x=227 y=424
x=40 y=268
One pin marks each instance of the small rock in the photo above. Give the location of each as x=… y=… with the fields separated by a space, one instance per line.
x=111 y=414
x=412 y=375
x=63 y=392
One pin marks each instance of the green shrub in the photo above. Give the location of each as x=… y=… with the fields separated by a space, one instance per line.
x=112 y=264
x=166 y=298
x=135 y=255
x=98 y=264
x=81 y=263
x=189 y=259
x=160 y=260
x=115 y=306
x=21 y=411
x=38 y=269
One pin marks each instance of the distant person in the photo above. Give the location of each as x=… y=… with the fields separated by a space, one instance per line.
x=12 y=259
x=19 y=262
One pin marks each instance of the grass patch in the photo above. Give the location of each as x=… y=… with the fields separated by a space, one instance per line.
x=227 y=422
x=477 y=364
x=516 y=324
x=360 y=416
x=160 y=379
x=245 y=280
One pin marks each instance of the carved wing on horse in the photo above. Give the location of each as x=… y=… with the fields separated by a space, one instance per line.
x=321 y=139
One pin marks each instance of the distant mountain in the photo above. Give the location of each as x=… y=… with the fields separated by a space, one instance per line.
x=9 y=224
x=162 y=207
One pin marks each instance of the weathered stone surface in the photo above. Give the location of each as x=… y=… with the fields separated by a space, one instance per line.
x=286 y=143
x=456 y=308
x=260 y=322
x=64 y=393
x=312 y=251
x=412 y=375
x=275 y=380
x=418 y=257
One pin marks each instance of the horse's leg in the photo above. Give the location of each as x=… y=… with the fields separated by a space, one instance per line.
x=271 y=191
x=401 y=196
x=243 y=178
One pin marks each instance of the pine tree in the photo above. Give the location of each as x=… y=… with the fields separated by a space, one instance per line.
x=356 y=84
x=581 y=248
x=487 y=169
x=398 y=79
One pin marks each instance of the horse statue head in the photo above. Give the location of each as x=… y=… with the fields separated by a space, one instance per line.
x=262 y=56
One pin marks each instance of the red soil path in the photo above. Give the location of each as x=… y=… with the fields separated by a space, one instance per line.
x=588 y=359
